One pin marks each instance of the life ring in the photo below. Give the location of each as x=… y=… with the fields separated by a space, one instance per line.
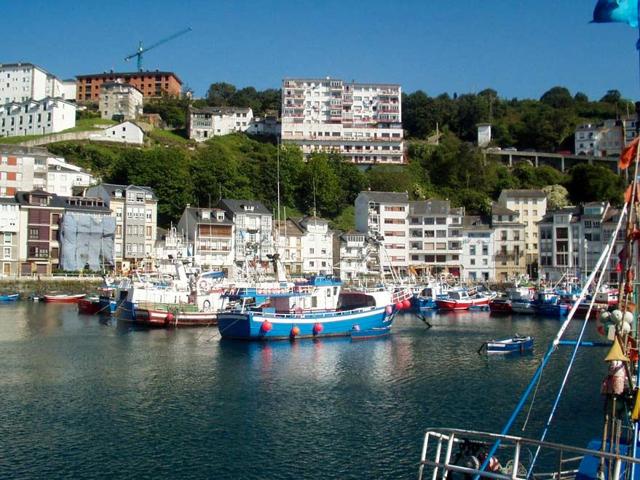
x=203 y=285
x=206 y=305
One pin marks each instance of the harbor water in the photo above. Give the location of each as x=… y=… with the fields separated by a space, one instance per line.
x=89 y=398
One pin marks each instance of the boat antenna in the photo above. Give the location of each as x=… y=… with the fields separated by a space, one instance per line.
x=278 y=176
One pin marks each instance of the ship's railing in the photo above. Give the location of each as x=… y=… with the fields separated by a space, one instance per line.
x=455 y=454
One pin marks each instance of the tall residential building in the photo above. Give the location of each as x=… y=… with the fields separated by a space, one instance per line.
x=136 y=211
x=209 y=237
x=354 y=256
x=317 y=246
x=32 y=168
x=509 y=244
x=36 y=117
x=360 y=121
x=478 y=263
x=288 y=237
x=150 y=83
x=120 y=101
x=204 y=123
x=384 y=217
x=253 y=237
x=604 y=139
x=20 y=82
x=9 y=235
x=531 y=206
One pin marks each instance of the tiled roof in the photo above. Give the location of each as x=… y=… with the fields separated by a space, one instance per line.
x=387 y=197
x=237 y=206
x=529 y=193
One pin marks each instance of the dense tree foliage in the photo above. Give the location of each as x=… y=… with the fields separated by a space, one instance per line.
x=224 y=94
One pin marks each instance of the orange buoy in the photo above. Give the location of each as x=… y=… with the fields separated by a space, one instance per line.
x=266 y=326
x=295 y=331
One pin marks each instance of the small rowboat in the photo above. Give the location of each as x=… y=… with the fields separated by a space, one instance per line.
x=63 y=298
x=375 y=332
x=10 y=297
x=508 y=345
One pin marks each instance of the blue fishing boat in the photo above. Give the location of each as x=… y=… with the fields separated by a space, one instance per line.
x=514 y=344
x=376 y=332
x=550 y=304
x=317 y=308
x=425 y=299
x=9 y=297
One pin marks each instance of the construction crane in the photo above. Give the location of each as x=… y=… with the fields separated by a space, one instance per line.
x=142 y=50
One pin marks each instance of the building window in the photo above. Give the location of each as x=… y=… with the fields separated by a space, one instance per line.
x=7 y=253
x=7 y=238
x=34 y=234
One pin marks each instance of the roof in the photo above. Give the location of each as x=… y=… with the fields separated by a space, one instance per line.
x=112 y=187
x=38 y=102
x=548 y=217
x=290 y=227
x=119 y=84
x=475 y=222
x=497 y=209
x=237 y=206
x=56 y=202
x=8 y=200
x=128 y=74
x=310 y=218
x=85 y=204
x=387 y=197
x=525 y=193
x=430 y=207
x=194 y=217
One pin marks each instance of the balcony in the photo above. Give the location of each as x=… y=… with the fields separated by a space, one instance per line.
x=509 y=255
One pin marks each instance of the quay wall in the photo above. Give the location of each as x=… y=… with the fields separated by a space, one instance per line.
x=44 y=285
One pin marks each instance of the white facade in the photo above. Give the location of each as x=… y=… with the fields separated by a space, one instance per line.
x=362 y=122
x=205 y=123
x=50 y=115
x=478 y=250
x=26 y=169
x=120 y=101
x=484 y=135
x=125 y=132
x=600 y=140
x=264 y=126
x=353 y=256
x=20 y=82
x=9 y=236
x=317 y=246
x=253 y=230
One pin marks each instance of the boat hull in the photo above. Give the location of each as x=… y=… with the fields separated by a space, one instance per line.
x=558 y=311
x=63 y=298
x=9 y=298
x=378 y=332
x=456 y=305
x=88 y=307
x=158 y=318
x=523 y=307
x=500 y=307
x=510 y=345
x=421 y=304
x=249 y=325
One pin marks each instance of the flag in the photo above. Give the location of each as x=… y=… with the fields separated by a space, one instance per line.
x=628 y=154
x=624 y=11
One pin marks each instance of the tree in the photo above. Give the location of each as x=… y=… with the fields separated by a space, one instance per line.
x=589 y=183
x=581 y=97
x=220 y=93
x=612 y=96
x=557 y=196
x=319 y=187
x=557 y=97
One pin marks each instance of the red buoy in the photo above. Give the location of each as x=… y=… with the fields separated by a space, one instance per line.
x=406 y=304
x=317 y=328
x=399 y=306
x=266 y=326
x=295 y=331
x=169 y=318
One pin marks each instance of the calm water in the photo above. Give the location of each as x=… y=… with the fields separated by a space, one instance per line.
x=82 y=398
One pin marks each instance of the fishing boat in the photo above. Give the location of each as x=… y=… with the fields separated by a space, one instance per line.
x=9 y=297
x=425 y=298
x=501 y=304
x=174 y=316
x=375 y=332
x=523 y=306
x=89 y=305
x=461 y=300
x=549 y=304
x=63 y=298
x=514 y=344
x=316 y=308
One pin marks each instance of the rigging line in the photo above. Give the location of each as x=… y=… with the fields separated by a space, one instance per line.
x=547 y=356
x=577 y=346
x=533 y=401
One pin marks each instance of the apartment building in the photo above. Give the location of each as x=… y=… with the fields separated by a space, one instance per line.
x=204 y=123
x=135 y=209
x=478 y=262
x=209 y=234
x=120 y=101
x=531 y=206
x=253 y=237
x=360 y=121
x=152 y=84
x=36 y=117
x=317 y=246
x=354 y=254
x=288 y=238
x=383 y=216
x=509 y=244
x=28 y=168
x=435 y=239
x=9 y=236
x=602 y=139
x=20 y=82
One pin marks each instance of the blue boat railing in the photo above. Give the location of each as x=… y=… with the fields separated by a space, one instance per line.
x=443 y=456
x=312 y=314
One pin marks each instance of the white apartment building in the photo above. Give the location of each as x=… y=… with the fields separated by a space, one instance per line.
x=36 y=117
x=509 y=243
x=20 y=82
x=600 y=140
x=361 y=121
x=32 y=168
x=353 y=256
x=384 y=217
x=477 y=250
x=317 y=246
x=288 y=238
x=531 y=206
x=435 y=238
x=9 y=236
x=253 y=230
x=204 y=123
x=120 y=101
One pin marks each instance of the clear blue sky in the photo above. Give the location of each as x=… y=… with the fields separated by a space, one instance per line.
x=519 y=47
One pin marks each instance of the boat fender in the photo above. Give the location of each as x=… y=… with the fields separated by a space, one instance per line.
x=169 y=318
x=406 y=304
x=295 y=331
x=206 y=305
x=399 y=306
x=266 y=326
x=317 y=328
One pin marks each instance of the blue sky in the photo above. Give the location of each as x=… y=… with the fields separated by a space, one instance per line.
x=519 y=47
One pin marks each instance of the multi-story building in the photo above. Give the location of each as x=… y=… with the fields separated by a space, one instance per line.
x=435 y=238
x=135 y=209
x=20 y=82
x=354 y=256
x=384 y=217
x=361 y=121
x=86 y=235
x=317 y=246
x=209 y=236
x=509 y=244
x=269 y=125
x=600 y=140
x=288 y=237
x=531 y=206
x=253 y=237
x=120 y=101
x=36 y=117
x=478 y=263
x=204 y=123
x=9 y=235
x=28 y=168
x=40 y=214
x=152 y=84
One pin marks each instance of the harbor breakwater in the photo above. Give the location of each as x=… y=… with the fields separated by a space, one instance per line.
x=28 y=286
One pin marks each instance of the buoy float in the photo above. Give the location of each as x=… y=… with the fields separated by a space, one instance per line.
x=295 y=331
x=389 y=309
x=317 y=328
x=169 y=318
x=406 y=304
x=266 y=326
x=399 y=305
